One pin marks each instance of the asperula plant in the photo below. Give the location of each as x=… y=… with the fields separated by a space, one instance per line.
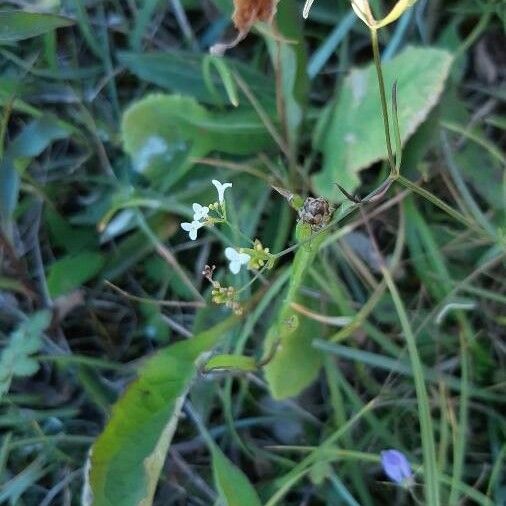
x=315 y=212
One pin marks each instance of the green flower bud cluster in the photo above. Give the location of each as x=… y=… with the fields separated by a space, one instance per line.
x=226 y=295
x=259 y=256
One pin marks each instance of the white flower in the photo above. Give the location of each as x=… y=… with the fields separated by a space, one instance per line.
x=200 y=212
x=192 y=228
x=236 y=259
x=221 y=187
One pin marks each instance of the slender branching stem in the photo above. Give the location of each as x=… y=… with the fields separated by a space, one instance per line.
x=381 y=84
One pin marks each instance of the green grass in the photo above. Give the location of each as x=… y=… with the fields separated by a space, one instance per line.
x=107 y=323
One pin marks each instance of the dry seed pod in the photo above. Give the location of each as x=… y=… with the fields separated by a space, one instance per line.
x=315 y=212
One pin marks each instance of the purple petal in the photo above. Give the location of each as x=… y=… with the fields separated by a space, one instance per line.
x=396 y=466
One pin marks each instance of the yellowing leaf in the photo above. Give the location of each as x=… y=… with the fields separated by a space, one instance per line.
x=363 y=11
x=127 y=458
x=396 y=12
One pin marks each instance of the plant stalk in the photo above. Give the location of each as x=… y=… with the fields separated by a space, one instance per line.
x=381 y=84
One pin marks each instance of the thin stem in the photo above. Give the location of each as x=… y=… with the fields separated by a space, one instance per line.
x=428 y=445
x=442 y=205
x=381 y=84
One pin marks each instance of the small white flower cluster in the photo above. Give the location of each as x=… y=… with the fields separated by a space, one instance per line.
x=201 y=213
x=201 y=216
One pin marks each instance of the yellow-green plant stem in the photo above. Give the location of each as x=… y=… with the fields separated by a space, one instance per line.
x=381 y=83
x=428 y=445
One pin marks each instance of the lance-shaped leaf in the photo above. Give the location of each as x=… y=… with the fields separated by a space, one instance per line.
x=20 y=25
x=127 y=458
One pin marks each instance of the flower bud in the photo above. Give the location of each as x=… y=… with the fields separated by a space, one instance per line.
x=363 y=11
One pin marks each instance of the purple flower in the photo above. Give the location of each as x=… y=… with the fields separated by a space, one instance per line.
x=396 y=467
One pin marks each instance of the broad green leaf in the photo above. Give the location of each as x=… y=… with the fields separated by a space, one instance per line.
x=354 y=137
x=70 y=272
x=127 y=457
x=296 y=362
x=23 y=342
x=232 y=484
x=181 y=72
x=164 y=134
x=20 y=25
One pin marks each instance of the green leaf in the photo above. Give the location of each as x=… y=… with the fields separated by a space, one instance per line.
x=167 y=132
x=354 y=137
x=127 y=457
x=72 y=271
x=290 y=58
x=20 y=25
x=233 y=362
x=38 y=135
x=35 y=137
x=23 y=342
x=69 y=237
x=296 y=362
x=232 y=484
x=181 y=72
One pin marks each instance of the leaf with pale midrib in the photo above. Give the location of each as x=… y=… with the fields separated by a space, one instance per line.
x=354 y=137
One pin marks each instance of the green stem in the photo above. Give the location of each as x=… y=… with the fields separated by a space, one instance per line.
x=428 y=445
x=442 y=205
x=381 y=84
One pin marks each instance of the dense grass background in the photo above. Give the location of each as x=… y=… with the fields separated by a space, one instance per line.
x=93 y=239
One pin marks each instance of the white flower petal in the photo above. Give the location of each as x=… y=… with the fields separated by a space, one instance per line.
x=307 y=7
x=236 y=259
x=221 y=187
x=234 y=267
x=192 y=228
x=231 y=254
x=200 y=212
